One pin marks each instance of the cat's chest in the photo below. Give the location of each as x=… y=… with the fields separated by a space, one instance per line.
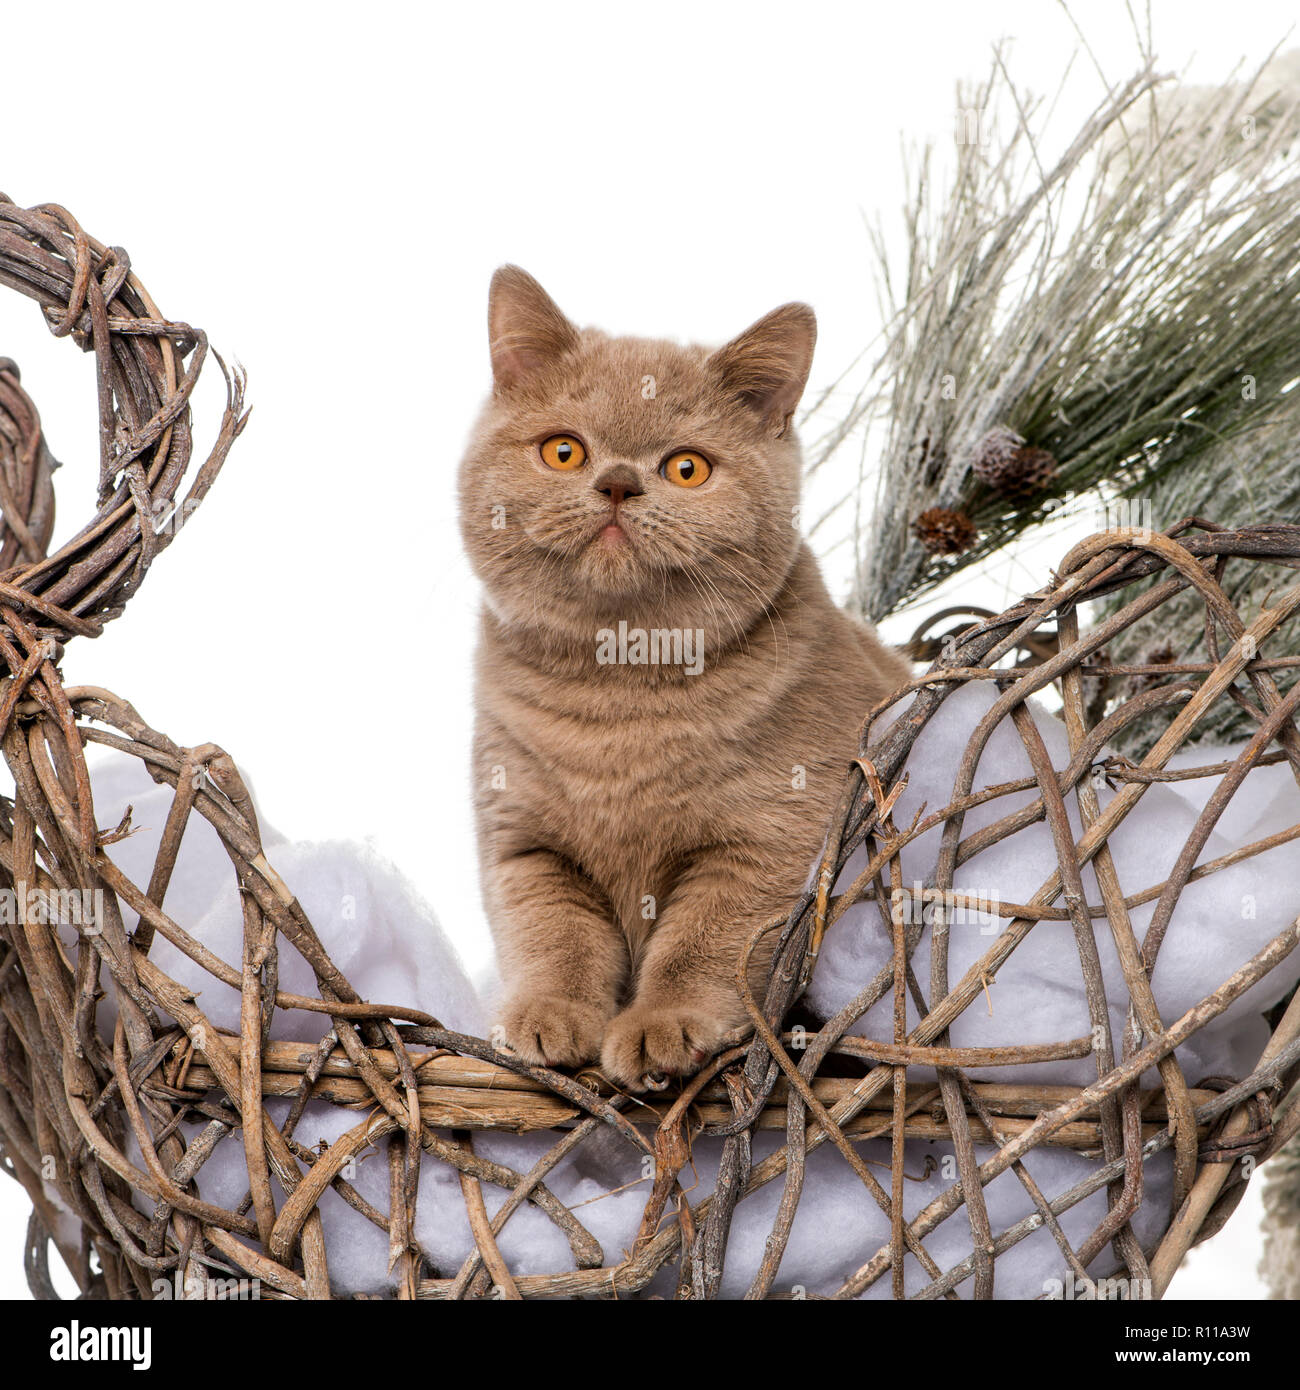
x=643 y=761
x=623 y=766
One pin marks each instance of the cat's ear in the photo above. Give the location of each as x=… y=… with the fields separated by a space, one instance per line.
x=767 y=365
x=525 y=327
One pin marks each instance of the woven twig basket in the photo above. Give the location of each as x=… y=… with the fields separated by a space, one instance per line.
x=78 y=1097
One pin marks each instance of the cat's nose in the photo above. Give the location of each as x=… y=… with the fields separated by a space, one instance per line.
x=619 y=482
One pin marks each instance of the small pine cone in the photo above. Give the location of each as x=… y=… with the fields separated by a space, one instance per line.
x=1008 y=465
x=944 y=532
x=993 y=454
x=1032 y=471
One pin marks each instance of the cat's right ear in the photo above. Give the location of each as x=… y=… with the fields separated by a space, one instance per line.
x=526 y=329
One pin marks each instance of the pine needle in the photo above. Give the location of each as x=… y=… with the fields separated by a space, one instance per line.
x=1132 y=308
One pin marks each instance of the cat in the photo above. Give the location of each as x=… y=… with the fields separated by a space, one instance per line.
x=667 y=698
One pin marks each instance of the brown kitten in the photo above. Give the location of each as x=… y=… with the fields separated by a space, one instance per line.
x=647 y=794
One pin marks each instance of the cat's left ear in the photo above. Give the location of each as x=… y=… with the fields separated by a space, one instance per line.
x=767 y=365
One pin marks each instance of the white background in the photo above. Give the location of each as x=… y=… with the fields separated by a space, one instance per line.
x=326 y=189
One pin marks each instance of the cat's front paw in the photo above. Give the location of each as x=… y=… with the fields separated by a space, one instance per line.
x=646 y=1041
x=551 y=1031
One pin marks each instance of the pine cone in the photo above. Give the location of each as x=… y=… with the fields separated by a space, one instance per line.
x=1007 y=464
x=944 y=532
x=995 y=451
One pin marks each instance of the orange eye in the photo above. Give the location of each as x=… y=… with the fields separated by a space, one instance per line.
x=686 y=469
x=564 y=452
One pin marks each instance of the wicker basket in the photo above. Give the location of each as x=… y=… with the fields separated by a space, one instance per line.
x=112 y=1125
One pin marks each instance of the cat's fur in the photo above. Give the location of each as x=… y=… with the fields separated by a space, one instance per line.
x=637 y=822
